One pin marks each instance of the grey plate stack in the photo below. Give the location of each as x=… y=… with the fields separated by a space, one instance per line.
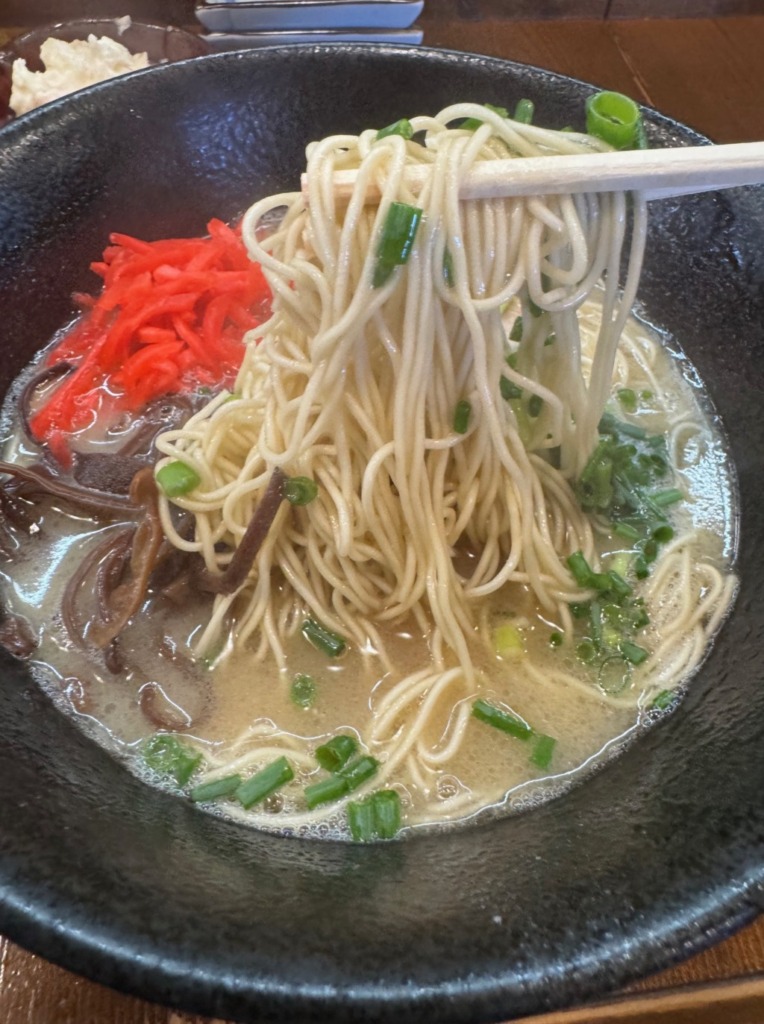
x=242 y=24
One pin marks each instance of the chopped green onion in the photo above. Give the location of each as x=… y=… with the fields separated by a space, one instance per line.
x=303 y=690
x=348 y=778
x=610 y=425
x=586 y=651
x=396 y=240
x=524 y=111
x=177 y=478
x=300 y=490
x=628 y=399
x=646 y=396
x=556 y=638
x=403 y=128
x=667 y=497
x=543 y=749
x=214 y=790
x=376 y=817
x=516 y=334
x=358 y=771
x=334 y=754
x=471 y=124
x=361 y=820
x=264 y=782
x=535 y=405
x=620 y=588
x=663 y=533
x=326 y=790
x=323 y=639
x=462 y=415
x=640 y=567
x=615 y=119
x=595 y=623
x=625 y=531
x=584 y=575
x=508 y=641
x=509 y=389
x=167 y=755
x=448 y=268
x=664 y=700
x=387 y=813
x=550 y=340
x=633 y=653
x=489 y=713
x=579 y=609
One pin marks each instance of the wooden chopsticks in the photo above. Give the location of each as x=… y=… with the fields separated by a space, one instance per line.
x=658 y=173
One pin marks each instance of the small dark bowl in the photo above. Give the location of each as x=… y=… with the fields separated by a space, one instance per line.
x=657 y=855
x=162 y=44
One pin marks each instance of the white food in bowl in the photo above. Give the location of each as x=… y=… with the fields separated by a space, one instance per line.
x=69 y=67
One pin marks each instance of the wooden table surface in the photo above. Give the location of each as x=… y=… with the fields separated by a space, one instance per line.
x=708 y=73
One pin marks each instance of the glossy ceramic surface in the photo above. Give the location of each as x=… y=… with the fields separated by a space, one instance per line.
x=655 y=856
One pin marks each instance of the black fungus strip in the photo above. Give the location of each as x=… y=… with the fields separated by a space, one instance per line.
x=114 y=657
x=164 y=413
x=114 y=548
x=39 y=479
x=17 y=511
x=126 y=598
x=109 y=474
x=17 y=636
x=246 y=553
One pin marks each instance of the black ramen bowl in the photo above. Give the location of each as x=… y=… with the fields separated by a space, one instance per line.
x=657 y=855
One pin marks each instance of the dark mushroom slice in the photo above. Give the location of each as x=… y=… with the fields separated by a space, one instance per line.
x=246 y=553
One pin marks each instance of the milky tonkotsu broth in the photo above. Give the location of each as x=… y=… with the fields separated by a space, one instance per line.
x=216 y=705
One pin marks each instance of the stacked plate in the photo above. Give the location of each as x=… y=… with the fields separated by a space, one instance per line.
x=241 y=24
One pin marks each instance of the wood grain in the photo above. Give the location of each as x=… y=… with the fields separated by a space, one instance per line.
x=706 y=72
x=682 y=8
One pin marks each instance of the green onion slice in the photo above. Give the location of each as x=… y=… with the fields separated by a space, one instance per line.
x=628 y=399
x=376 y=817
x=448 y=268
x=543 y=749
x=323 y=639
x=336 y=753
x=177 y=478
x=396 y=240
x=357 y=772
x=361 y=820
x=664 y=700
x=615 y=119
x=402 y=128
x=633 y=653
x=489 y=713
x=214 y=790
x=167 y=755
x=524 y=111
x=303 y=690
x=300 y=490
x=509 y=389
x=326 y=790
x=264 y=782
x=462 y=416
x=387 y=812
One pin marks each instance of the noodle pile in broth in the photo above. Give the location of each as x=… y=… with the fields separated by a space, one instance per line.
x=415 y=472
